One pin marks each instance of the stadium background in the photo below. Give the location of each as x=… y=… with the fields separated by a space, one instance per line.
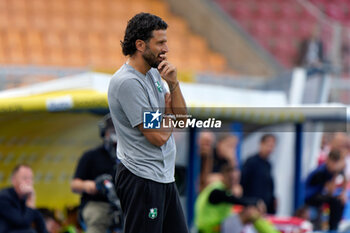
x=53 y=54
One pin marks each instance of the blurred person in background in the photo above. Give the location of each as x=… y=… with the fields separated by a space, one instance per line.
x=311 y=54
x=321 y=187
x=225 y=151
x=206 y=142
x=213 y=156
x=347 y=160
x=325 y=147
x=345 y=52
x=257 y=180
x=71 y=223
x=17 y=204
x=95 y=207
x=337 y=141
x=303 y=212
x=53 y=225
x=213 y=207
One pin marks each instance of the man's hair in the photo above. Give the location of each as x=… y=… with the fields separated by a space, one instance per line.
x=265 y=137
x=140 y=27
x=17 y=167
x=334 y=155
x=104 y=124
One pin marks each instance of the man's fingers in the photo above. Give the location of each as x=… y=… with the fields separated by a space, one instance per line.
x=169 y=70
x=163 y=56
x=164 y=71
x=162 y=64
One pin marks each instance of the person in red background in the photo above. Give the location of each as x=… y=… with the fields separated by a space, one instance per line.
x=336 y=141
x=311 y=53
x=320 y=188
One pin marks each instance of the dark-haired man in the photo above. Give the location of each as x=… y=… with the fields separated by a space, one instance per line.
x=257 y=180
x=17 y=213
x=320 y=187
x=145 y=178
x=96 y=209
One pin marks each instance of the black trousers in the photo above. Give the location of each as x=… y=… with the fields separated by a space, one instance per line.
x=149 y=206
x=336 y=208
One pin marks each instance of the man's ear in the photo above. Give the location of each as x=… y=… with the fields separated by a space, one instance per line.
x=140 y=45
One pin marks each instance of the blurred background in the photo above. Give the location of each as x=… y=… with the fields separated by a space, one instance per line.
x=57 y=57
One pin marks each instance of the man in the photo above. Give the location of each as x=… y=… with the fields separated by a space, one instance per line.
x=96 y=209
x=257 y=180
x=205 y=143
x=311 y=55
x=213 y=159
x=53 y=225
x=213 y=208
x=225 y=151
x=145 y=177
x=338 y=141
x=321 y=187
x=17 y=213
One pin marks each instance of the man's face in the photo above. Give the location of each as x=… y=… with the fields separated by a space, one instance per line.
x=23 y=181
x=156 y=48
x=267 y=147
x=110 y=134
x=110 y=141
x=335 y=166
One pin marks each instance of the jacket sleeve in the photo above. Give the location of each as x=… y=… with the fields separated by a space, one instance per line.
x=38 y=221
x=247 y=172
x=12 y=215
x=317 y=178
x=219 y=196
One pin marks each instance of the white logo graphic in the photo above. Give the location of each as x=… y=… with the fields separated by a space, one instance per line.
x=151 y=120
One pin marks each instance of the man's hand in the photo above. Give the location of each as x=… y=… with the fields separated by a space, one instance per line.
x=343 y=197
x=206 y=143
x=90 y=187
x=83 y=186
x=330 y=187
x=168 y=73
x=26 y=189
x=31 y=198
x=261 y=206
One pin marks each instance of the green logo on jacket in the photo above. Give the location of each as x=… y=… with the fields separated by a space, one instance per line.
x=159 y=87
x=153 y=213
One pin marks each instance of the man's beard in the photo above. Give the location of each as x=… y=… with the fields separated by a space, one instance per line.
x=150 y=58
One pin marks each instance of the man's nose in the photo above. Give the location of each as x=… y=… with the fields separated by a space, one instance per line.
x=165 y=49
